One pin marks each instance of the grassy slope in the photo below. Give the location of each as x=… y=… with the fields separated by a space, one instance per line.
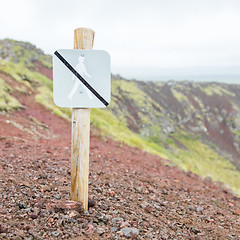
x=196 y=156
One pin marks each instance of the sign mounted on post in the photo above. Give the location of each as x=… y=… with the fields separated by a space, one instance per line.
x=81 y=78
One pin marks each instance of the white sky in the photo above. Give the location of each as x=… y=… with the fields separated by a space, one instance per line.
x=142 y=36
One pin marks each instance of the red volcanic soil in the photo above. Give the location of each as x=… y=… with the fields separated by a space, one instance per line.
x=133 y=194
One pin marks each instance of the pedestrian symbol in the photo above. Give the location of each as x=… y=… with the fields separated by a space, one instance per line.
x=81 y=78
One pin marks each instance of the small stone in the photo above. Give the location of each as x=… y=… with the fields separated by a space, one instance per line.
x=113 y=229
x=237 y=212
x=143 y=205
x=73 y=214
x=3 y=229
x=91 y=203
x=138 y=189
x=100 y=231
x=103 y=218
x=90 y=229
x=99 y=190
x=33 y=215
x=199 y=209
x=130 y=232
x=3 y=211
x=165 y=192
x=20 y=233
x=57 y=196
x=55 y=233
x=116 y=221
x=124 y=224
x=22 y=205
x=111 y=193
x=27 y=210
x=12 y=180
x=26 y=227
x=148 y=209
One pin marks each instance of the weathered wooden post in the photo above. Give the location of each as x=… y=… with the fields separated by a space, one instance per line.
x=83 y=39
x=81 y=80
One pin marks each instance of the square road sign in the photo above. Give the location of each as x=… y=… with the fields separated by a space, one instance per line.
x=81 y=78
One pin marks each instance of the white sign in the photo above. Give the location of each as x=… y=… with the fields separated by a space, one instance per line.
x=81 y=78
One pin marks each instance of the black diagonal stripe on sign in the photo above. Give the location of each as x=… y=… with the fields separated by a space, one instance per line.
x=67 y=64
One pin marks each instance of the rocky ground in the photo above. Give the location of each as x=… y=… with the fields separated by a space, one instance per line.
x=132 y=194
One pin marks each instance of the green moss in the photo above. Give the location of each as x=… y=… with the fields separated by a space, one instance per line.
x=25 y=54
x=45 y=97
x=216 y=89
x=201 y=159
x=131 y=104
x=237 y=133
x=23 y=75
x=22 y=89
x=22 y=56
x=7 y=102
x=201 y=105
x=110 y=126
x=179 y=95
x=46 y=61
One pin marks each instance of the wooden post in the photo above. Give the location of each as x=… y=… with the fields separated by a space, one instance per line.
x=83 y=39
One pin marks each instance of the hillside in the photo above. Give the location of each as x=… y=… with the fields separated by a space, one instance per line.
x=135 y=194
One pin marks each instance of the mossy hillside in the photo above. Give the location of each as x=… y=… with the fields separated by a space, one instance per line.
x=103 y=119
x=7 y=101
x=13 y=70
x=215 y=89
x=23 y=53
x=110 y=126
x=24 y=75
x=45 y=97
x=179 y=95
x=133 y=106
x=201 y=159
x=196 y=157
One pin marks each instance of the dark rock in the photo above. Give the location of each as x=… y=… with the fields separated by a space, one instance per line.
x=99 y=190
x=103 y=218
x=33 y=215
x=91 y=203
x=22 y=205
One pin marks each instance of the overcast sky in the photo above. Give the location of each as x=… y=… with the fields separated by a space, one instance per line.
x=143 y=37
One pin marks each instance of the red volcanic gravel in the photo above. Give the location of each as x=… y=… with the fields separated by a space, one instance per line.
x=132 y=194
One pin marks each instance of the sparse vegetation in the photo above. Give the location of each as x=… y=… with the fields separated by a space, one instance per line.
x=140 y=114
x=7 y=101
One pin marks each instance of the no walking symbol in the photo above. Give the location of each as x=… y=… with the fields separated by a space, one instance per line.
x=81 y=78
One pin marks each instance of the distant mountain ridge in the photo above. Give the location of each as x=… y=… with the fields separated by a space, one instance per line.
x=194 y=125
